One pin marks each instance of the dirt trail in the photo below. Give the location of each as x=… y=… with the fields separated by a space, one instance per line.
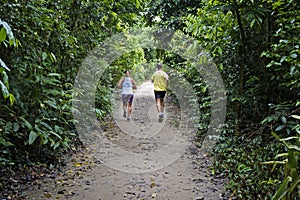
x=141 y=159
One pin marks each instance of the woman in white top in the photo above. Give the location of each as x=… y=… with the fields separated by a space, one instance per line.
x=127 y=84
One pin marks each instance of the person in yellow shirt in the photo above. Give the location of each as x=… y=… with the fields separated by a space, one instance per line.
x=160 y=80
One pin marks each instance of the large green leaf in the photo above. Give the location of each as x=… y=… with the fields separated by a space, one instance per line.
x=8 y=32
x=282 y=189
x=296 y=116
x=12 y=99
x=4 y=90
x=7 y=29
x=26 y=123
x=32 y=137
x=294 y=186
x=2 y=34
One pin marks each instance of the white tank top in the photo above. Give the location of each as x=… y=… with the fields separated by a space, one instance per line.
x=127 y=86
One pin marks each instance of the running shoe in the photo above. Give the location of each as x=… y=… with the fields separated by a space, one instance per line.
x=124 y=114
x=161 y=115
x=128 y=119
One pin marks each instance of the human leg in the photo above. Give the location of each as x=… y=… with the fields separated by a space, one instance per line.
x=124 y=110
x=158 y=104
x=129 y=107
x=158 y=100
x=162 y=105
x=129 y=110
x=125 y=104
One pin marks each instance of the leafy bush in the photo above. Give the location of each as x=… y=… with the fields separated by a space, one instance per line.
x=6 y=32
x=289 y=188
x=239 y=159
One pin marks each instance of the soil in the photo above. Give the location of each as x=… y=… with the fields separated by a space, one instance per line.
x=141 y=159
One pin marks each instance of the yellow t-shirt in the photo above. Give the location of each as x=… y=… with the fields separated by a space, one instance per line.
x=160 y=79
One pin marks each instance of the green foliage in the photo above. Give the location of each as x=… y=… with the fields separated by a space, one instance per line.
x=217 y=27
x=166 y=13
x=253 y=43
x=4 y=139
x=7 y=39
x=239 y=159
x=289 y=188
x=285 y=49
x=56 y=36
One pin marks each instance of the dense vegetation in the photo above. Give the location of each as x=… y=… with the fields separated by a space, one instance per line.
x=255 y=45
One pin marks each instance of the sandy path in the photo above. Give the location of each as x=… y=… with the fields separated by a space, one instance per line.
x=141 y=159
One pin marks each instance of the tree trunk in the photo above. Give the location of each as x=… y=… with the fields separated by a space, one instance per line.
x=241 y=64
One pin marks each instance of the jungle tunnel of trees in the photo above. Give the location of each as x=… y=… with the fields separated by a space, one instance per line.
x=254 y=44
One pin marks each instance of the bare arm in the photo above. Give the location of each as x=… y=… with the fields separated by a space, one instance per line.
x=134 y=84
x=167 y=83
x=120 y=82
x=152 y=79
x=167 y=80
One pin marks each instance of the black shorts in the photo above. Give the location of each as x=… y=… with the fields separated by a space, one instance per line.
x=159 y=94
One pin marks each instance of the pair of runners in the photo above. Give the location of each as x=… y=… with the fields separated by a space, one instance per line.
x=127 y=84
